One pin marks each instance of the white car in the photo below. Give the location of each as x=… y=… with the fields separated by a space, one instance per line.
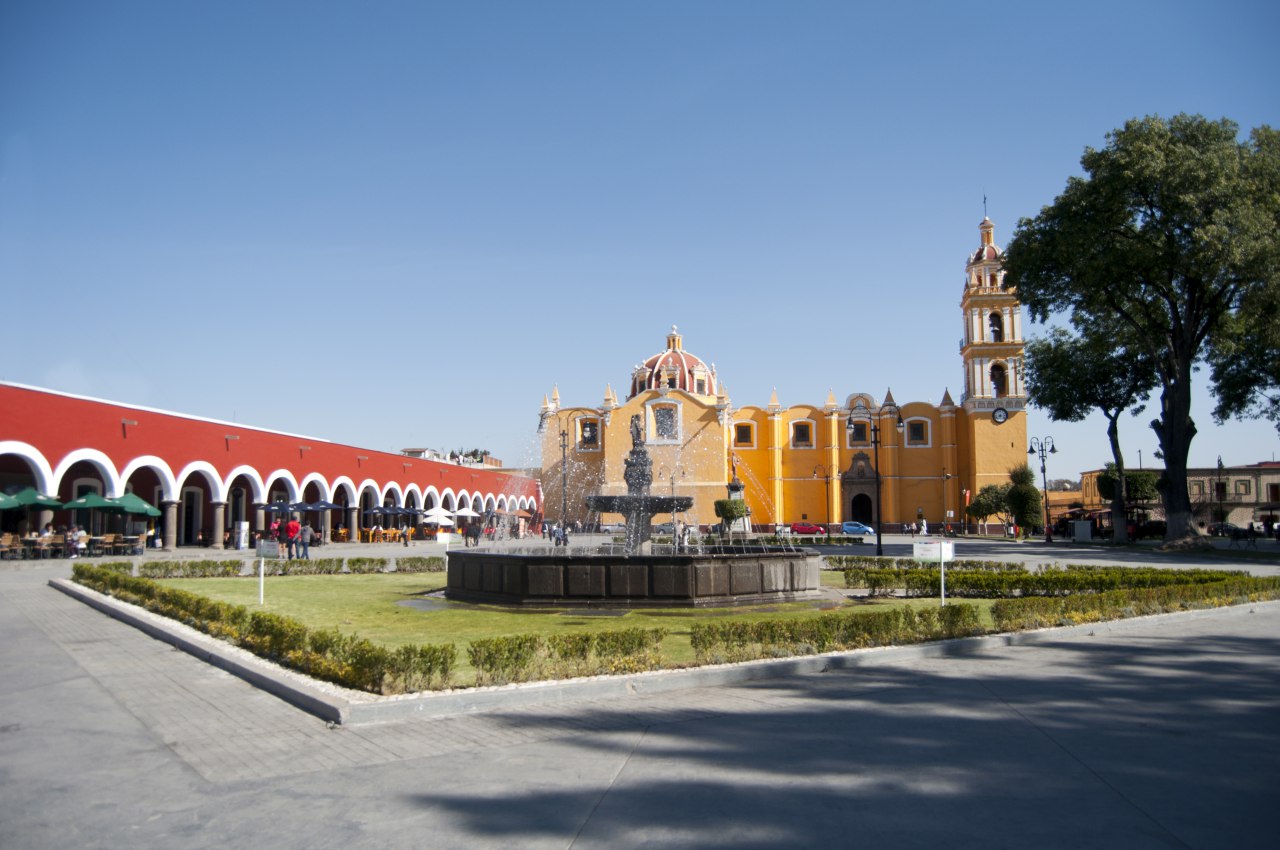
x=613 y=527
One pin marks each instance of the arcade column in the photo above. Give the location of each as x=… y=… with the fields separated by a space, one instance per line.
x=170 y=541
x=219 y=524
x=353 y=530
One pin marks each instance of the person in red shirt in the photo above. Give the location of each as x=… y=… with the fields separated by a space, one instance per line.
x=292 y=530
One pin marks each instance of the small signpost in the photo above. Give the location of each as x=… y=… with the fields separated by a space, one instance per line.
x=936 y=550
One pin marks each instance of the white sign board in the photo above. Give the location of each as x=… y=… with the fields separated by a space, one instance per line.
x=934 y=551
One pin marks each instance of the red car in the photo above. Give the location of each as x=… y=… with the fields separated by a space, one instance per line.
x=806 y=528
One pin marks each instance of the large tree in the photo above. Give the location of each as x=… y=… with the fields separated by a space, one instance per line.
x=1024 y=499
x=1070 y=376
x=1173 y=227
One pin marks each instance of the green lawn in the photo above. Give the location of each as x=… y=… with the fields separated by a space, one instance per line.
x=367 y=605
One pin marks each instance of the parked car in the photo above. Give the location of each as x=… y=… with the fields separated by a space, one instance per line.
x=665 y=528
x=613 y=527
x=1223 y=529
x=856 y=528
x=806 y=528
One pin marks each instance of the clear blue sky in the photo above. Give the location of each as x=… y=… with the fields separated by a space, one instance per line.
x=399 y=224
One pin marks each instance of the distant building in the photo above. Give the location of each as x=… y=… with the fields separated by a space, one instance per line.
x=807 y=462
x=1239 y=495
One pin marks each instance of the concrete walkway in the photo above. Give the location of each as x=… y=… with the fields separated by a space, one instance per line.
x=1163 y=732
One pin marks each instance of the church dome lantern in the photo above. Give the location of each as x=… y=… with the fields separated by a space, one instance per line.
x=674 y=369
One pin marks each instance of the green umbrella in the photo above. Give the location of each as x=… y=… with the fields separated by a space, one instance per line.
x=29 y=497
x=92 y=500
x=135 y=504
x=7 y=502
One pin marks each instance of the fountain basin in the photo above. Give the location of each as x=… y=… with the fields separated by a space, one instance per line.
x=747 y=575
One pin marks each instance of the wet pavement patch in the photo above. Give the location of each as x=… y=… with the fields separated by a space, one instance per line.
x=425 y=603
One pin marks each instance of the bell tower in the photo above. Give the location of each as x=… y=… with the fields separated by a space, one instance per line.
x=992 y=344
x=993 y=407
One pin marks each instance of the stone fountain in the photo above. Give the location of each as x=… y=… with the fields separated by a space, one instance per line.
x=639 y=506
x=635 y=575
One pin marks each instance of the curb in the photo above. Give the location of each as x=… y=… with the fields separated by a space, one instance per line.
x=293 y=688
x=340 y=705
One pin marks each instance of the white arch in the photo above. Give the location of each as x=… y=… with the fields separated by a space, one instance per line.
x=291 y=484
x=257 y=487
x=105 y=466
x=168 y=484
x=40 y=469
x=448 y=499
x=368 y=484
x=432 y=495
x=318 y=479
x=392 y=489
x=346 y=485
x=413 y=490
x=217 y=491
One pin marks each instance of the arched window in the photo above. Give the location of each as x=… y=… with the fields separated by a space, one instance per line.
x=996 y=323
x=999 y=381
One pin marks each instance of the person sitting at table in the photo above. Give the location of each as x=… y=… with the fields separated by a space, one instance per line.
x=47 y=531
x=74 y=541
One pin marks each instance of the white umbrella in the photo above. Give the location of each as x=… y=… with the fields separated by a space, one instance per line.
x=442 y=521
x=465 y=512
x=436 y=512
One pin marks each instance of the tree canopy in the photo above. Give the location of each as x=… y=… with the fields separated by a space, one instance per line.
x=1071 y=375
x=1170 y=242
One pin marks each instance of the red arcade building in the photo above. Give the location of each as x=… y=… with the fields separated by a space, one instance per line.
x=206 y=476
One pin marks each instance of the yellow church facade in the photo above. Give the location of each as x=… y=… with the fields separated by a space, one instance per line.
x=813 y=463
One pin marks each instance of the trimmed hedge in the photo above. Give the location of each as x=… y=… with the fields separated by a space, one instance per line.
x=747 y=640
x=190 y=569
x=925 y=580
x=347 y=660
x=874 y=562
x=1042 y=612
x=523 y=658
x=419 y=564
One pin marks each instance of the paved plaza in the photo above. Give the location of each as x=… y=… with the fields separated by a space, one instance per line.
x=1159 y=732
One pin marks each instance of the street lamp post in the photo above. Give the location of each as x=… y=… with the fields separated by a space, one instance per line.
x=564 y=476
x=946 y=518
x=671 y=474
x=861 y=412
x=1043 y=448
x=826 y=475
x=1222 y=493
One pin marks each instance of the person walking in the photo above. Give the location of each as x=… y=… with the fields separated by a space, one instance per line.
x=292 y=530
x=277 y=534
x=304 y=542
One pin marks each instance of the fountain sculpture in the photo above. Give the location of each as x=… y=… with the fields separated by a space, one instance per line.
x=636 y=575
x=638 y=506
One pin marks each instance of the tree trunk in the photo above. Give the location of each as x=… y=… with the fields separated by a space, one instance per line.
x=1175 y=430
x=1120 y=526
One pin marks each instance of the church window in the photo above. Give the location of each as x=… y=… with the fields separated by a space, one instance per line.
x=802 y=435
x=857 y=432
x=917 y=433
x=996 y=322
x=999 y=381
x=744 y=435
x=588 y=433
x=702 y=386
x=664 y=423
